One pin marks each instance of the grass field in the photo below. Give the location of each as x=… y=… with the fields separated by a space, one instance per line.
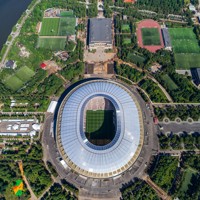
x=187 y=61
x=67 y=26
x=150 y=36
x=51 y=43
x=69 y=13
x=25 y=73
x=126 y=28
x=13 y=82
x=184 y=40
x=17 y=80
x=135 y=58
x=186 y=181
x=100 y=129
x=185 y=47
x=50 y=27
x=127 y=41
x=169 y=82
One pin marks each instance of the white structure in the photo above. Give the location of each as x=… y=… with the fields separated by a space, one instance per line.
x=99 y=161
x=52 y=106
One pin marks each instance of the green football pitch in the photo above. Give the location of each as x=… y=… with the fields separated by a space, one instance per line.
x=50 y=27
x=186 y=48
x=52 y=43
x=100 y=129
x=150 y=36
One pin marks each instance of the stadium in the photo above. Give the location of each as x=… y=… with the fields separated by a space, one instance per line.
x=99 y=129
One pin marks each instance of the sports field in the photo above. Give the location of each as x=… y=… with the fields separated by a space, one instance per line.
x=126 y=28
x=69 y=13
x=185 y=47
x=100 y=128
x=150 y=36
x=51 y=43
x=25 y=73
x=50 y=27
x=169 y=82
x=17 y=80
x=67 y=26
x=184 y=40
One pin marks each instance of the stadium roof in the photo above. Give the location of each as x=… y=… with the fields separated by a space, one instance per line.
x=87 y=158
x=100 y=30
x=166 y=37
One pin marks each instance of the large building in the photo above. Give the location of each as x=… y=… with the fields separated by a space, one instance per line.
x=99 y=157
x=100 y=33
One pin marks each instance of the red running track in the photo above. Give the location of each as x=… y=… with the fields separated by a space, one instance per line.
x=149 y=23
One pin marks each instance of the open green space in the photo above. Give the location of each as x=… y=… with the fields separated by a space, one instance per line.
x=50 y=26
x=150 y=36
x=68 y=13
x=67 y=26
x=25 y=73
x=13 y=82
x=127 y=41
x=100 y=128
x=169 y=82
x=135 y=58
x=125 y=28
x=185 y=47
x=187 y=61
x=186 y=179
x=51 y=43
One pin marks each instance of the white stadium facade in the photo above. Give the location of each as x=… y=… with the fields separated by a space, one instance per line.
x=78 y=152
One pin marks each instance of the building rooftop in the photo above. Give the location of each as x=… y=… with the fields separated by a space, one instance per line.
x=100 y=30
x=196 y=75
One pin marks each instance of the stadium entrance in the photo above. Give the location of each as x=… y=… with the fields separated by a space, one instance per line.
x=99 y=121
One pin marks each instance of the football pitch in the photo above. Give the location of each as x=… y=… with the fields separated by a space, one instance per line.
x=58 y=26
x=17 y=80
x=100 y=128
x=150 y=36
x=186 y=48
x=50 y=27
x=51 y=43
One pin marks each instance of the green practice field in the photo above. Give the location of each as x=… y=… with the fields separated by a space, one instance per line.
x=127 y=41
x=169 y=82
x=136 y=58
x=185 y=47
x=150 y=36
x=184 y=40
x=50 y=27
x=51 y=43
x=100 y=129
x=17 y=80
x=69 y=13
x=25 y=73
x=67 y=26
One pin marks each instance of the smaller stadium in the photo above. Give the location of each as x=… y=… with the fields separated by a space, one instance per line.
x=149 y=35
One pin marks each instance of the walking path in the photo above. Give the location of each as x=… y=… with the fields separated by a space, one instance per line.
x=160 y=192
x=33 y=197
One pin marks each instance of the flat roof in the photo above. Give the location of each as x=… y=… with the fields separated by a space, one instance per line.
x=166 y=37
x=100 y=30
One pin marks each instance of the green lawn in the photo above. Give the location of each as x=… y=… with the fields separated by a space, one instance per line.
x=187 y=61
x=67 y=26
x=186 y=179
x=150 y=36
x=52 y=43
x=135 y=58
x=25 y=73
x=126 y=28
x=99 y=126
x=67 y=13
x=127 y=41
x=169 y=82
x=13 y=82
x=50 y=27
x=185 y=47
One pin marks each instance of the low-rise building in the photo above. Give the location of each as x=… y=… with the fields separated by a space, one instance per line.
x=166 y=39
x=10 y=64
x=100 y=33
x=196 y=76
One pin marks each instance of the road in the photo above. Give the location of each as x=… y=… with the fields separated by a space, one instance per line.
x=17 y=33
x=174 y=104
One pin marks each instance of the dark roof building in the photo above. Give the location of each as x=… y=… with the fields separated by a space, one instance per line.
x=196 y=76
x=166 y=38
x=10 y=64
x=100 y=32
